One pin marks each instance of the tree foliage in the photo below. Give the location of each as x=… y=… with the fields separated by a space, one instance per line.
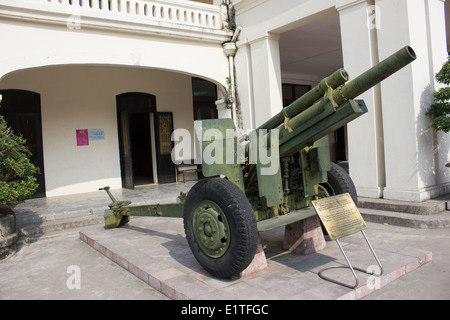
x=440 y=109
x=17 y=181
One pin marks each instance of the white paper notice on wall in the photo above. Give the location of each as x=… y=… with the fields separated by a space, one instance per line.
x=96 y=134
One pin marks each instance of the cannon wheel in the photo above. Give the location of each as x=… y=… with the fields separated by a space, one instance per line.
x=340 y=182
x=220 y=227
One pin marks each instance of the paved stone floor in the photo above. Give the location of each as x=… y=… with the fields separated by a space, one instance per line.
x=50 y=243
x=42 y=215
x=156 y=251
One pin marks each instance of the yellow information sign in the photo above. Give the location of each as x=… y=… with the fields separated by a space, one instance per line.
x=339 y=215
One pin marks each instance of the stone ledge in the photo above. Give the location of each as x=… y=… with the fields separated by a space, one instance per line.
x=35 y=228
x=155 y=250
x=435 y=221
x=429 y=207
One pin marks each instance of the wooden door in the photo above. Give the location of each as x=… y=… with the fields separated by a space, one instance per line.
x=164 y=146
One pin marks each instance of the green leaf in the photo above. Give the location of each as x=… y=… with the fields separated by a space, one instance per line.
x=17 y=181
x=440 y=110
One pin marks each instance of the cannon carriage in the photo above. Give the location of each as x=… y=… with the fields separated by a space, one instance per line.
x=267 y=178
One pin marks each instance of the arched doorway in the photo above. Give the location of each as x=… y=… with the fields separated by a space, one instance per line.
x=144 y=140
x=22 y=112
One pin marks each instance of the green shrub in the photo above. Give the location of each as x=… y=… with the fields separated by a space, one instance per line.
x=17 y=181
x=440 y=109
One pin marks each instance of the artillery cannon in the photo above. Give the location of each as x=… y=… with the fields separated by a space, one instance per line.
x=243 y=193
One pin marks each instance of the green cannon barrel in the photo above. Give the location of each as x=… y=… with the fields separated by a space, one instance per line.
x=304 y=102
x=375 y=75
x=314 y=119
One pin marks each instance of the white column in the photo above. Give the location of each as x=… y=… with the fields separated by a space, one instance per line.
x=266 y=77
x=407 y=95
x=244 y=88
x=365 y=134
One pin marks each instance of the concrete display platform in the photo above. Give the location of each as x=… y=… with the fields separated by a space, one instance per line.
x=155 y=250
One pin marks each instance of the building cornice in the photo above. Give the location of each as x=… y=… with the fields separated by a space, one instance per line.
x=245 y=5
x=76 y=17
x=345 y=4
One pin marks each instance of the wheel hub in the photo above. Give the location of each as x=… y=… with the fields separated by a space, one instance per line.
x=325 y=190
x=211 y=229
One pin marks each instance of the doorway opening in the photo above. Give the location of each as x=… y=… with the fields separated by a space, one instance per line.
x=141 y=148
x=134 y=112
x=144 y=141
x=22 y=112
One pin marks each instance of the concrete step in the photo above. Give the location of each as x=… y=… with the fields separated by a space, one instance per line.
x=37 y=228
x=429 y=207
x=429 y=214
x=434 y=221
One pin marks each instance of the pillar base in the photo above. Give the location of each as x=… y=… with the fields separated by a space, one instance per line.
x=304 y=237
x=418 y=195
x=259 y=261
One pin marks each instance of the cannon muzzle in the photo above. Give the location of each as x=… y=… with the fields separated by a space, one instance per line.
x=312 y=122
x=375 y=75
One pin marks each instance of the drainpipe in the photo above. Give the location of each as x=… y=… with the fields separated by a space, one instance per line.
x=230 y=49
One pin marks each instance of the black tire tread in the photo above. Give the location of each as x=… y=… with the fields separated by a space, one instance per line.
x=242 y=225
x=341 y=182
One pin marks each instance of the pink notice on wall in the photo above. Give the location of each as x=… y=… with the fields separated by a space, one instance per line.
x=82 y=137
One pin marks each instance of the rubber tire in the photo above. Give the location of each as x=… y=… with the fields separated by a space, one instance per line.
x=340 y=182
x=241 y=220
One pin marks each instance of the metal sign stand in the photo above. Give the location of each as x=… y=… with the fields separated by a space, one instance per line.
x=351 y=267
x=341 y=218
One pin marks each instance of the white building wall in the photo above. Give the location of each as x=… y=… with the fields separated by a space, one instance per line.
x=365 y=134
x=393 y=151
x=33 y=45
x=78 y=58
x=408 y=138
x=438 y=54
x=411 y=170
x=83 y=97
x=257 y=60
